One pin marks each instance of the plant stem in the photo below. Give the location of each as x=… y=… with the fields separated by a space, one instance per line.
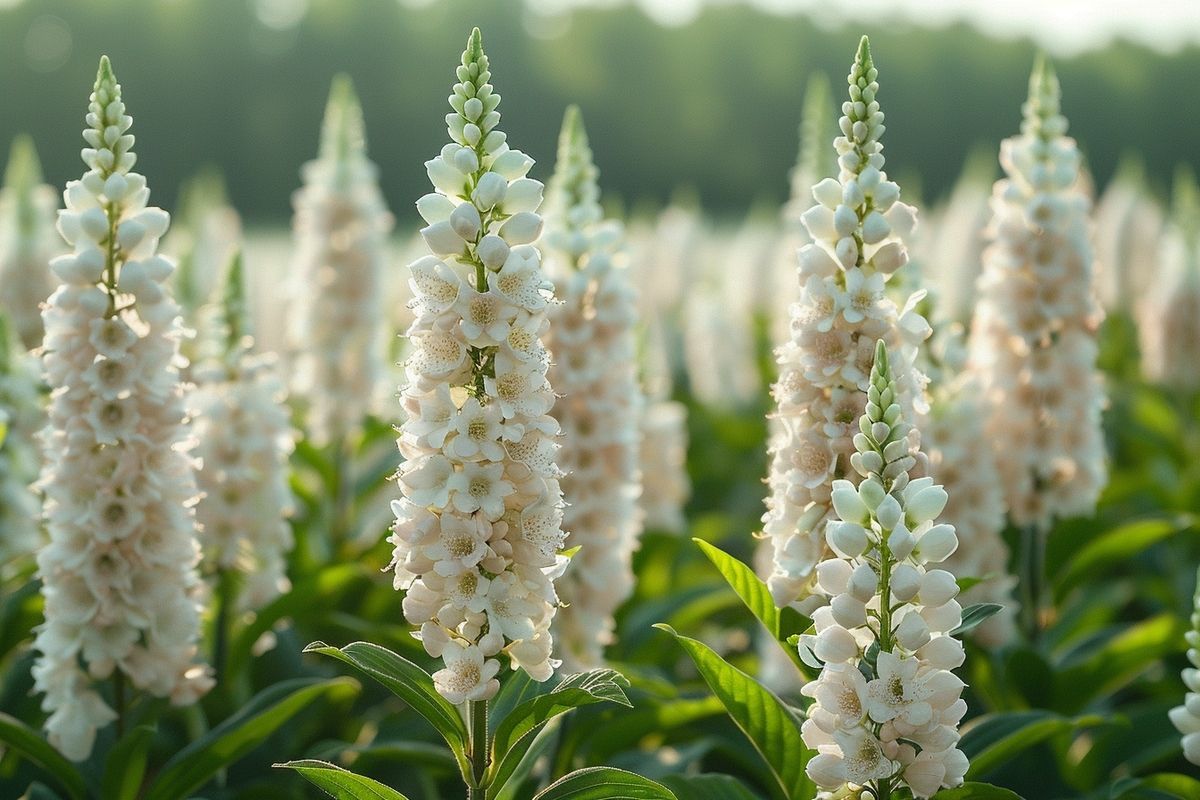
x=221 y=621
x=477 y=710
x=1033 y=562
x=119 y=700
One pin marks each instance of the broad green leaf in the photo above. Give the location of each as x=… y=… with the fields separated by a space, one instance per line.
x=624 y=731
x=125 y=765
x=780 y=623
x=994 y=739
x=316 y=592
x=411 y=684
x=1169 y=784
x=1111 y=665
x=514 y=733
x=268 y=711
x=40 y=791
x=604 y=783
x=29 y=744
x=976 y=791
x=973 y=615
x=763 y=717
x=707 y=787
x=1115 y=547
x=339 y=783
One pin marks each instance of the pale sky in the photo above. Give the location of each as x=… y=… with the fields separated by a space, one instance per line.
x=1063 y=27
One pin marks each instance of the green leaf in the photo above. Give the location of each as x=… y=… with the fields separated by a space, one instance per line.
x=994 y=739
x=1117 y=661
x=707 y=787
x=780 y=623
x=268 y=711
x=1164 y=784
x=27 y=742
x=605 y=783
x=411 y=684
x=316 y=592
x=125 y=765
x=973 y=615
x=976 y=791
x=339 y=783
x=1116 y=547
x=763 y=717
x=515 y=732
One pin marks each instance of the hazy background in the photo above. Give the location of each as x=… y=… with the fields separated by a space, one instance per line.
x=674 y=92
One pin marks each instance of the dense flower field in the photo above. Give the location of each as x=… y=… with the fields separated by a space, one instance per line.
x=859 y=499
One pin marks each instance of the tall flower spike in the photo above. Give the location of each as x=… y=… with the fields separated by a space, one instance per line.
x=119 y=573
x=886 y=706
x=1169 y=313
x=27 y=241
x=591 y=341
x=244 y=439
x=858 y=227
x=340 y=230
x=22 y=415
x=478 y=531
x=1186 y=718
x=205 y=236
x=1129 y=227
x=1033 y=340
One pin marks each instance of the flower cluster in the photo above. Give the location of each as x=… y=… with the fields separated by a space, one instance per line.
x=591 y=341
x=954 y=431
x=663 y=457
x=27 y=241
x=887 y=706
x=857 y=227
x=1169 y=312
x=341 y=226
x=22 y=415
x=478 y=533
x=204 y=236
x=1129 y=227
x=1186 y=717
x=1033 y=340
x=244 y=439
x=119 y=573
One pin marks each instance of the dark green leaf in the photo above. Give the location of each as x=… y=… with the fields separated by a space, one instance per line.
x=316 y=592
x=973 y=615
x=269 y=710
x=762 y=716
x=24 y=740
x=994 y=739
x=605 y=783
x=707 y=787
x=780 y=623
x=411 y=684
x=341 y=784
x=125 y=765
x=976 y=791
x=1114 y=548
x=514 y=733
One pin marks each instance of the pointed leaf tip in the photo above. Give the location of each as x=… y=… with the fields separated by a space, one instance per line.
x=881 y=357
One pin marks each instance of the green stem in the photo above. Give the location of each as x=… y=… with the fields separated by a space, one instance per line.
x=343 y=492
x=477 y=710
x=119 y=700
x=221 y=623
x=1033 y=563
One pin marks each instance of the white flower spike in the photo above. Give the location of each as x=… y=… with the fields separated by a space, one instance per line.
x=858 y=227
x=478 y=532
x=1186 y=718
x=594 y=355
x=887 y=706
x=27 y=241
x=340 y=230
x=1033 y=340
x=119 y=574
